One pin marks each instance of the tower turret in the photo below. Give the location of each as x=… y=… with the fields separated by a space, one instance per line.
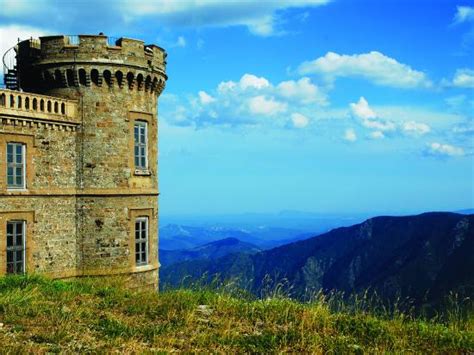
x=116 y=83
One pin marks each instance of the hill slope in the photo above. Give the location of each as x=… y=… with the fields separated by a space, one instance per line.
x=87 y=316
x=422 y=257
x=212 y=250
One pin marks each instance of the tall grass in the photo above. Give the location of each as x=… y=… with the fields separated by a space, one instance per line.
x=41 y=315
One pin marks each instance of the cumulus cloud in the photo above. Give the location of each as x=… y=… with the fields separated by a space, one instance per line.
x=464 y=14
x=252 y=81
x=205 y=98
x=373 y=66
x=376 y=135
x=250 y=101
x=444 y=150
x=464 y=78
x=350 y=135
x=261 y=105
x=415 y=128
x=299 y=120
x=380 y=127
x=302 y=90
x=368 y=118
x=259 y=17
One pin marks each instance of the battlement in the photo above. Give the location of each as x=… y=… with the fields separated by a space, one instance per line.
x=95 y=48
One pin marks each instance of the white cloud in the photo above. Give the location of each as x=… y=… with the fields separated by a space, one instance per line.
x=260 y=105
x=299 y=120
x=445 y=150
x=368 y=118
x=376 y=135
x=415 y=128
x=350 y=135
x=252 y=98
x=373 y=66
x=259 y=17
x=205 y=98
x=9 y=36
x=252 y=81
x=302 y=90
x=464 y=78
x=464 y=14
x=362 y=110
x=181 y=42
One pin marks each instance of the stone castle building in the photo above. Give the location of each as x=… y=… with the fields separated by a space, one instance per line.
x=78 y=158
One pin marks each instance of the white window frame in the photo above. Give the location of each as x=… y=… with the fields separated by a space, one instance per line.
x=12 y=248
x=137 y=143
x=140 y=240
x=14 y=165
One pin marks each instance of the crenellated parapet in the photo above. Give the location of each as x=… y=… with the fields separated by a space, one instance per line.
x=91 y=60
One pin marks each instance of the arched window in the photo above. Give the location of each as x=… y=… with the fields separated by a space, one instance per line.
x=27 y=103
x=50 y=107
x=35 y=104
x=41 y=105
x=147 y=83
x=63 y=108
x=70 y=77
x=58 y=78
x=12 y=101
x=19 y=102
x=48 y=77
x=119 y=77
x=140 y=81
x=56 y=107
x=130 y=78
x=3 y=100
x=95 y=76
x=108 y=77
x=82 y=77
x=155 y=84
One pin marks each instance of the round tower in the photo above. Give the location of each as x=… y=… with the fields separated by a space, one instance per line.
x=117 y=83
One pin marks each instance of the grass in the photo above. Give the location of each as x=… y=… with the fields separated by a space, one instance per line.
x=41 y=315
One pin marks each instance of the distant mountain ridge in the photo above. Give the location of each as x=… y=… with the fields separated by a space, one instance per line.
x=212 y=250
x=423 y=257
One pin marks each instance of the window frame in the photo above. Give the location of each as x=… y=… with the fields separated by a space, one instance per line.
x=15 y=165
x=139 y=241
x=14 y=248
x=137 y=144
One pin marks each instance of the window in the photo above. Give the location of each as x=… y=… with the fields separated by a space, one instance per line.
x=16 y=247
x=140 y=133
x=141 y=241
x=16 y=164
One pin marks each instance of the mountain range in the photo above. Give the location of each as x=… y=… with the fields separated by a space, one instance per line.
x=212 y=250
x=422 y=257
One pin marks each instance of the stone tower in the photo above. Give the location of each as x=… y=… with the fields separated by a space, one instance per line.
x=115 y=84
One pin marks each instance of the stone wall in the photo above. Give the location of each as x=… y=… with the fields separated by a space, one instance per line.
x=84 y=192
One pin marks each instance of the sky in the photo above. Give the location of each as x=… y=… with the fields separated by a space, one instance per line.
x=326 y=106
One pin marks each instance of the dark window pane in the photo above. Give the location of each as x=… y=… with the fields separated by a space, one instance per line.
x=9 y=256
x=18 y=149
x=10 y=158
x=10 y=149
x=19 y=180
x=9 y=228
x=19 y=240
x=19 y=159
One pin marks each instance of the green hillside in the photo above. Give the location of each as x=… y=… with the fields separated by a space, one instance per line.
x=40 y=315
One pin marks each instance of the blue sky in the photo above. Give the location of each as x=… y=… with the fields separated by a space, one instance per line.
x=315 y=105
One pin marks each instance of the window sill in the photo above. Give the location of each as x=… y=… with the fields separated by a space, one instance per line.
x=142 y=172
x=13 y=191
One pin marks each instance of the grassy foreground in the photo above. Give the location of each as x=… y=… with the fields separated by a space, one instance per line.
x=40 y=315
